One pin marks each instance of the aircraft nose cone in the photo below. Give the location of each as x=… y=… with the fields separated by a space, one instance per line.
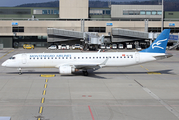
x=3 y=64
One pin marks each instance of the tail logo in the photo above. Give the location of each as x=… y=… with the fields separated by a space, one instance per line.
x=156 y=45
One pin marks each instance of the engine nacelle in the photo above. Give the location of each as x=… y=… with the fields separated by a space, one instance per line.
x=65 y=70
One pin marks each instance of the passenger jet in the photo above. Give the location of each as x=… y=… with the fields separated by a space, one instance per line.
x=68 y=63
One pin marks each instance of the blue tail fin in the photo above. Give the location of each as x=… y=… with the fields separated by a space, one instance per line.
x=160 y=44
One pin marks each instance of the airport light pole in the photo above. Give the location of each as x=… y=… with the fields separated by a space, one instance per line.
x=162 y=16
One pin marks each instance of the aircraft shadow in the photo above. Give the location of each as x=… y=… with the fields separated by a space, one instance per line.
x=142 y=73
x=96 y=74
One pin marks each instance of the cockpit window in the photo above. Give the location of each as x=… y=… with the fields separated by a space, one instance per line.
x=12 y=58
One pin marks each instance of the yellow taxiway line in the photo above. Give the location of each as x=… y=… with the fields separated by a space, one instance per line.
x=44 y=92
x=6 y=54
x=43 y=100
x=45 y=86
x=41 y=108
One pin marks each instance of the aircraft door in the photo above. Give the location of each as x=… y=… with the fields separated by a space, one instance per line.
x=137 y=57
x=24 y=59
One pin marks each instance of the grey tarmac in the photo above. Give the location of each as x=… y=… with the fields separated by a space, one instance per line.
x=142 y=92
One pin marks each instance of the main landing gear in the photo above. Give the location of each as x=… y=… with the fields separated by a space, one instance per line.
x=20 y=71
x=85 y=73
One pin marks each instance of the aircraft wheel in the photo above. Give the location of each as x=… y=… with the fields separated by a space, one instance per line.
x=20 y=71
x=85 y=73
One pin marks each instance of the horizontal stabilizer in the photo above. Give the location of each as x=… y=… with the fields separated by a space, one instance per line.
x=163 y=56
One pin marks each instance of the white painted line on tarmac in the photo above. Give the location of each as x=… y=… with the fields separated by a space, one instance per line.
x=161 y=102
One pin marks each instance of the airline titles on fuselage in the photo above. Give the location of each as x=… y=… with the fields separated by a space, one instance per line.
x=38 y=56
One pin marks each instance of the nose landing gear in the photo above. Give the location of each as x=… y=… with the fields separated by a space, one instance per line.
x=20 y=71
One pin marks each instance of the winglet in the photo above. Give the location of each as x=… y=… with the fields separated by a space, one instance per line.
x=160 y=44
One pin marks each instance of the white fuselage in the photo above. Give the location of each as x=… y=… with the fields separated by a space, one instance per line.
x=54 y=60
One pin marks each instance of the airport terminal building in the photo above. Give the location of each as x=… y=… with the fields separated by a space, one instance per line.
x=73 y=22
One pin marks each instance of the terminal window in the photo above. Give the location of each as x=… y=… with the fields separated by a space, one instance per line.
x=108 y=12
x=100 y=12
x=17 y=29
x=158 y=29
x=170 y=13
x=141 y=12
x=154 y=29
x=159 y=12
x=97 y=29
x=15 y=11
x=45 y=12
x=154 y=12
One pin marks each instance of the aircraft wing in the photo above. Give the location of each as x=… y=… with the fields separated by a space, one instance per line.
x=85 y=65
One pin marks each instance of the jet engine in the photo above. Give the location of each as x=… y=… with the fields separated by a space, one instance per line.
x=65 y=70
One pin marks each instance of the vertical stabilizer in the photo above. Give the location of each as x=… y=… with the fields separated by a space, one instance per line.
x=160 y=44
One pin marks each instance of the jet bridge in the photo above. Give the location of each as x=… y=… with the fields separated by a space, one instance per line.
x=58 y=35
x=93 y=40
x=124 y=35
